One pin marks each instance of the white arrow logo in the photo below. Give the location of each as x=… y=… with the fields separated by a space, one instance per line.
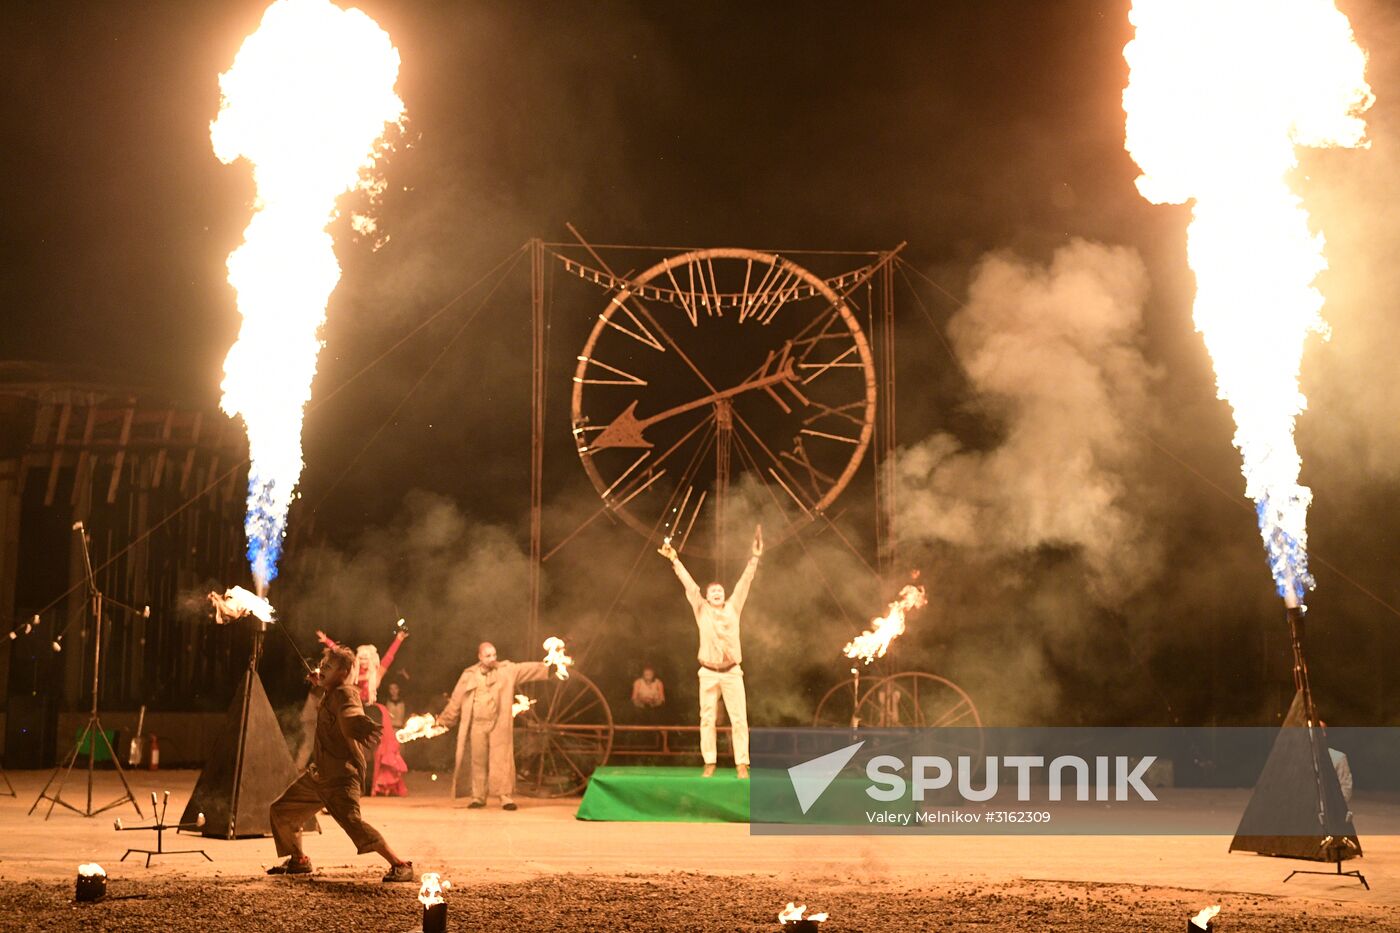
x=811 y=778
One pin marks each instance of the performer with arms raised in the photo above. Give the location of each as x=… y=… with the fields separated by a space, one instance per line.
x=720 y=655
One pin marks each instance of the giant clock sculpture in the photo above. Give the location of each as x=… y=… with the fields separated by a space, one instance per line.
x=720 y=387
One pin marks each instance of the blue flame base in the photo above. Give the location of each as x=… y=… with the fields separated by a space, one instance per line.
x=265 y=526
x=1288 y=557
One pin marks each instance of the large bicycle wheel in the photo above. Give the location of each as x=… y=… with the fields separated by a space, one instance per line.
x=566 y=733
x=836 y=708
x=919 y=700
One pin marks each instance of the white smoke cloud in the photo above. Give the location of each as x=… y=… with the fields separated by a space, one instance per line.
x=1053 y=353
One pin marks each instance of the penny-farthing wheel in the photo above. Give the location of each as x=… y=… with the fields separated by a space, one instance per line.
x=723 y=385
x=911 y=699
x=835 y=708
x=919 y=700
x=566 y=733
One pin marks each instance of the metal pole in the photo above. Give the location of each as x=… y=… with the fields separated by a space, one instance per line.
x=96 y=664
x=537 y=390
x=885 y=471
x=248 y=677
x=724 y=431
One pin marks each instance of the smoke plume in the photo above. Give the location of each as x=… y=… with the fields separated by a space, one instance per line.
x=1053 y=354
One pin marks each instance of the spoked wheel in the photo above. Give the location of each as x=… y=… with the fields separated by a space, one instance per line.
x=835 y=708
x=915 y=699
x=565 y=734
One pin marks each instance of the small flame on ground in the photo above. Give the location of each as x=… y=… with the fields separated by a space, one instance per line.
x=306 y=103
x=875 y=641
x=91 y=870
x=522 y=703
x=556 y=658
x=795 y=912
x=1204 y=918
x=1220 y=95
x=420 y=726
x=431 y=891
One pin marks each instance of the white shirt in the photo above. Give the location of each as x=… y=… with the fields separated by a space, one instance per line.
x=719 y=628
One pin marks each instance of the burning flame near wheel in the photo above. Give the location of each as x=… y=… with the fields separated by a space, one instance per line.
x=908 y=699
x=306 y=103
x=1220 y=96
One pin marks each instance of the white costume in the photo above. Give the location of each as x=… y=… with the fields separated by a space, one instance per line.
x=720 y=658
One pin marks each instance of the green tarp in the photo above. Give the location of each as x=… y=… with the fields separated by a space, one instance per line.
x=664 y=794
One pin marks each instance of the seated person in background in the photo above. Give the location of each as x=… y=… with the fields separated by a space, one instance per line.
x=395 y=705
x=648 y=694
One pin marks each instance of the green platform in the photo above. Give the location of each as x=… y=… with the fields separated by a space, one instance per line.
x=664 y=795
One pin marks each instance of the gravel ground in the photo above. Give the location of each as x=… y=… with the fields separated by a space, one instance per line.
x=340 y=902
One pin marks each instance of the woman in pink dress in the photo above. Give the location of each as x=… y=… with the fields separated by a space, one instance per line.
x=389 y=766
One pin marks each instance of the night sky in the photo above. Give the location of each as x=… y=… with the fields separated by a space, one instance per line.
x=962 y=128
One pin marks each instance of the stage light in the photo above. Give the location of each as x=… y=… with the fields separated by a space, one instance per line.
x=92 y=882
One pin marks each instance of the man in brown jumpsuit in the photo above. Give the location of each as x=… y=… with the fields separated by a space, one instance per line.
x=486 y=741
x=333 y=781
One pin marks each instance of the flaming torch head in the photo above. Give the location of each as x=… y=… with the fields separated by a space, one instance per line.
x=795 y=917
x=1217 y=102
x=306 y=103
x=875 y=642
x=556 y=658
x=434 y=907
x=1205 y=920
x=522 y=704
x=421 y=726
x=430 y=892
x=238 y=602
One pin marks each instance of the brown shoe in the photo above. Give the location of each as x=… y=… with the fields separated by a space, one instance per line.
x=708 y=772
x=401 y=872
x=741 y=772
x=294 y=865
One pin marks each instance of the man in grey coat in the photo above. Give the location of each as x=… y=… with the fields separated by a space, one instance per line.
x=482 y=700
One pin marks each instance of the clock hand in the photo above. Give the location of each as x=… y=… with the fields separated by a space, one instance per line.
x=626 y=429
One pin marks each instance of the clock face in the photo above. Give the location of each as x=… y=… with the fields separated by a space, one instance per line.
x=720 y=388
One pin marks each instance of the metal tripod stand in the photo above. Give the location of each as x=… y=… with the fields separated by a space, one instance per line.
x=1333 y=848
x=158 y=814
x=93 y=730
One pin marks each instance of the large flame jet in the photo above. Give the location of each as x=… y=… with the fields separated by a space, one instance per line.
x=1220 y=95
x=306 y=103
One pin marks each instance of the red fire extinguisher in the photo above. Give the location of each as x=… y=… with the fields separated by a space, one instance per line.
x=153 y=756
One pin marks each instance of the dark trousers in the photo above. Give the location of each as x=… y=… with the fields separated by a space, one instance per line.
x=305 y=798
x=371 y=747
